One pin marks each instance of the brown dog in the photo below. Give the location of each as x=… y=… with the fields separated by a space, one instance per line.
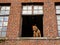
x=36 y=31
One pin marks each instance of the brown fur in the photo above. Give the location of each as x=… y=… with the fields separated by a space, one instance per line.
x=36 y=31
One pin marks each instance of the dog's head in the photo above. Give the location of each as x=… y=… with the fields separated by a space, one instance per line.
x=34 y=28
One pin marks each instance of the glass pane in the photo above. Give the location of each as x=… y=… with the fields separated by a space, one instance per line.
x=58 y=17
x=1 y=18
x=24 y=7
x=29 y=7
x=40 y=12
x=4 y=28
x=36 y=7
x=2 y=13
x=29 y=12
x=7 y=12
x=3 y=34
x=59 y=34
x=5 y=18
x=5 y=23
x=58 y=22
x=40 y=7
x=7 y=7
x=35 y=12
x=57 y=11
x=57 y=7
x=3 y=8
x=58 y=27
x=59 y=31
x=0 y=28
x=0 y=23
x=24 y=12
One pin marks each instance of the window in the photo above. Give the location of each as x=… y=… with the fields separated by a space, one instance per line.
x=32 y=9
x=4 y=13
x=27 y=10
x=58 y=17
x=32 y=13
x=38 y=9
x=58 y=9
x=58 y=22
x=4 y=10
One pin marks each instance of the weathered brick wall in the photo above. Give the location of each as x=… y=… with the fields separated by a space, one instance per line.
x=14 y=23
x=49 y=18
x=31 y=42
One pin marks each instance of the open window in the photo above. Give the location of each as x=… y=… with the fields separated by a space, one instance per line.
x=32 y=14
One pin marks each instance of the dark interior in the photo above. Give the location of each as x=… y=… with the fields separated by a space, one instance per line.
x=28 y=21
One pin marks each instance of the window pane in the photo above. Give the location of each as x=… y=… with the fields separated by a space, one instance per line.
x=7 y=7
x=36 y=7
x=5 y=23
x=24 y=12
x=5 y=18
x=4 y=28
x=3 y=34
x=0 y=28
x=41 y=7
x=30 y=8
x=29 y=12
x=3 y=8
x=1 y=18
x=58 y=27
x=59 y=34
x=57 y=11
x=58 y=17
x=57 y=7
x=35 y=12
x=2 y=13
x=40 y=12
x=0 y=23
x=59 y=31
x=58 y=22
x=24 y=7
x=7 y=12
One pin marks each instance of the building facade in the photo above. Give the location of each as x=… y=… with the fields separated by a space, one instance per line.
x=18 y=16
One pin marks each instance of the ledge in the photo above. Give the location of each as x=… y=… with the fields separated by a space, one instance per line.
x=38 y=38
x=31 y=38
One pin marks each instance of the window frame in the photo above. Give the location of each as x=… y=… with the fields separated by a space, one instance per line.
x=57 y=4
x=33 y=4
x=4 y=16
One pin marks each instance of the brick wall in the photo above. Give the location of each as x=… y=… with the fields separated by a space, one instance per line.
x=49 y=23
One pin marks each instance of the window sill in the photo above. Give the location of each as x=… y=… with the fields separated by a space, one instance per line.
x=38 y=38
x=31 y=38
